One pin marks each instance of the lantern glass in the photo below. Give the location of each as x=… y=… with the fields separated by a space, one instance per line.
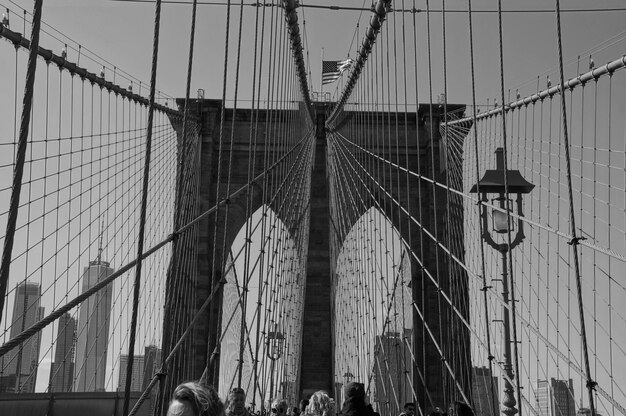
x=276 y=341
x=499 y=218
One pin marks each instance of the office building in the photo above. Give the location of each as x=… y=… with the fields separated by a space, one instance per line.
x=62 y=369
x=18 y=368
x=392 y=371
x=555 y=398
x=138 y=373
x=93 y=330
x=152 y=364
x=485 y=401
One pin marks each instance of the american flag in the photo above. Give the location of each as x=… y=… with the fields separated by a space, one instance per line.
x=332 y=70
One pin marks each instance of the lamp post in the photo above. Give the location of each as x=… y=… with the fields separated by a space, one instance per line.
x=275 y=342
x=348 y=376
x=493 y=182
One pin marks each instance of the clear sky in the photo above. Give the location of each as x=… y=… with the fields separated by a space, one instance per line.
x=121 y=32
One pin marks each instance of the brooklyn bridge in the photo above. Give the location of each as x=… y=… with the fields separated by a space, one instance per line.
x=426 y=198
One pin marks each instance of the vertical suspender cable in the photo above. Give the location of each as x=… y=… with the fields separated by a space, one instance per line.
x=173 y=269
x=508 y=265
x=211 y=336
x=434 y=196
x=18 y=171
x=482 y=247
x=575 y=240
x=144 y=201
x=446 y=160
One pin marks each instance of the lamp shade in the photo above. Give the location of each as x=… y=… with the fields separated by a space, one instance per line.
x=492 y=182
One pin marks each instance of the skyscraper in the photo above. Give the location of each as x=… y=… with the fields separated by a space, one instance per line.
x=138 y=373
x=484 y=402
x=19 y=366
x=555 y=398
x=62 y=369
x=563 y=403
x=392 y=371
x=93 y=330
x=543 y=398
x=152 y=364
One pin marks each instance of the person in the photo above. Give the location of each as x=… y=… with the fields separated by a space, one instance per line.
x=437 y=412
x=459 y=408
x=195 y=399
x=279 y=407
x=409 y=409
x=354 y=403
x=320 y=404
x=236 y=403
x=303 y=404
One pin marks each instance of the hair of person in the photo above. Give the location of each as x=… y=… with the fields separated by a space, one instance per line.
x=409 y=404
x=463 y=409
x=278 y=402
x=203 y=399
x=321 y=404
x=354 y=390
x=236 y=390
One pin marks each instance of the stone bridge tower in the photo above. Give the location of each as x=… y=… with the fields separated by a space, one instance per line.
x=422 y=151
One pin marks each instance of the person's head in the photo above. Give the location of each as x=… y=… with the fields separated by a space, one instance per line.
x=459 y=408
x=321 y=404
x=195 y=399
x=236 y=401
x=303 y=404
x=409 y=408
x=279 y=407
x=354 y=391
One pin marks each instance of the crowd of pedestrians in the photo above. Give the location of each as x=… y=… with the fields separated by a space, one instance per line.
x=196 y=399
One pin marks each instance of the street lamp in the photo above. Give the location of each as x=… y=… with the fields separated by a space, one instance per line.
x=275 y=342
x=348 y=376
x=493 y=182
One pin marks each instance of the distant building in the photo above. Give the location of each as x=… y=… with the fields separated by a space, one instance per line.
x=555 y=398
x=482 y=397
x=138 y=373
x=563 y=403
x=18 y=368
x=93 y=330
x=543 y=398
x=62 y=369
x=392 y=371
x=583 y=411
x=152 y=364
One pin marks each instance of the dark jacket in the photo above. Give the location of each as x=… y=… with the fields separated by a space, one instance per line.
x=354 y=405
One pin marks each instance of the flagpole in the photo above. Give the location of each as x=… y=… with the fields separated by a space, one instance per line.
x=322 y=77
